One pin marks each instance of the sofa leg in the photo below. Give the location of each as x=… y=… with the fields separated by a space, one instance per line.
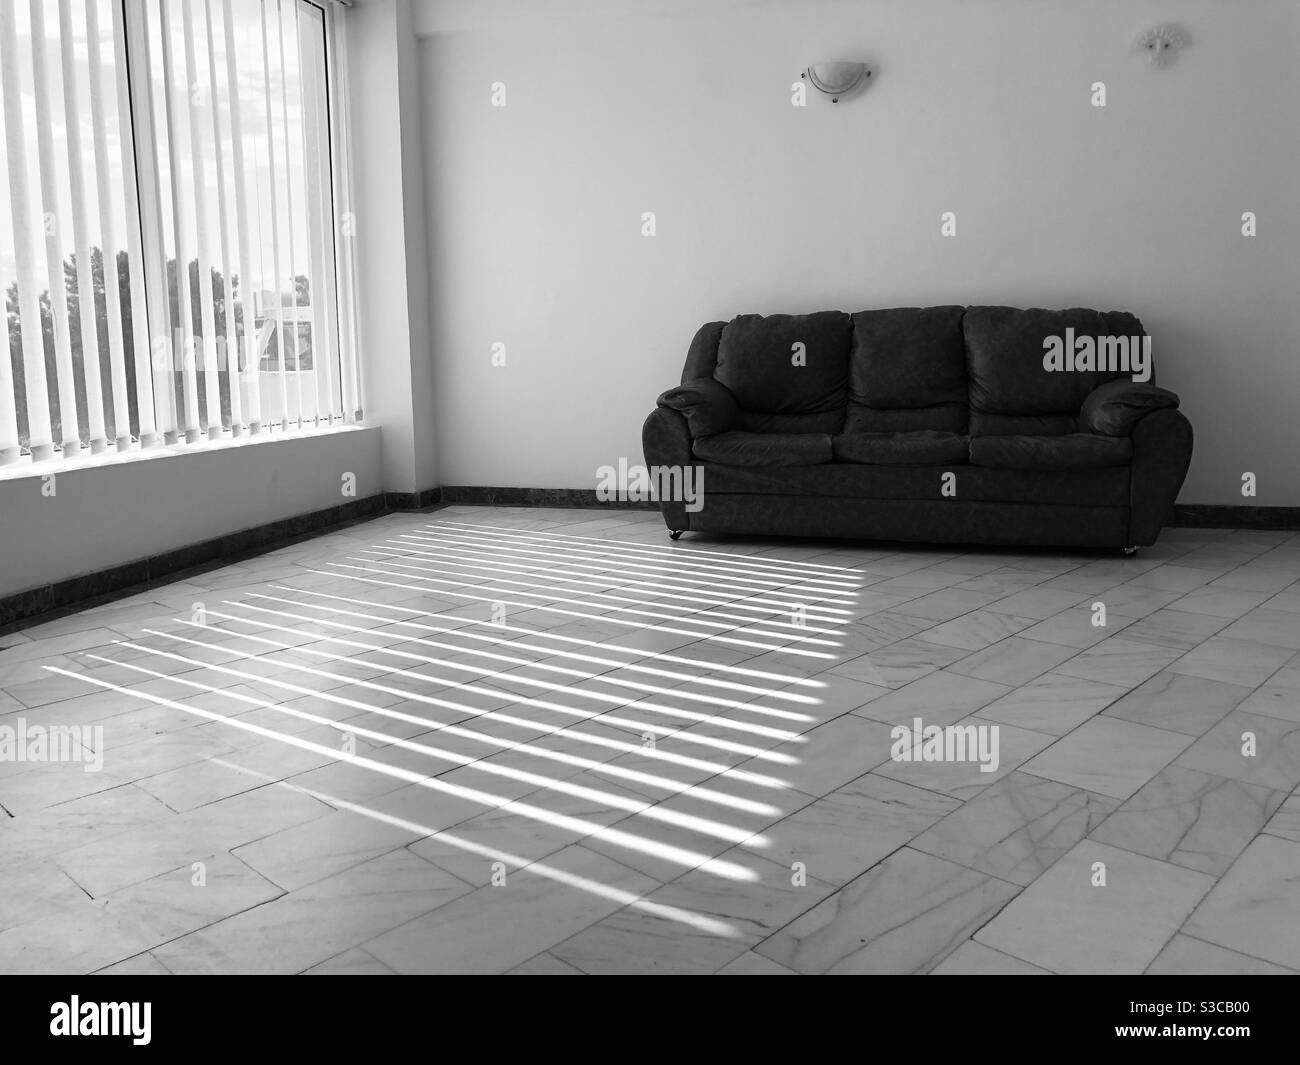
x=1130 y=551
x=676 y=534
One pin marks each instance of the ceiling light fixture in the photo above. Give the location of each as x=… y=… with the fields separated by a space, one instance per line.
x=837 y=79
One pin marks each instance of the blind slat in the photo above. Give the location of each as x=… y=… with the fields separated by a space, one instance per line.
x=336 y=59
x=229 y=354
x=324 y=340
x=243 y=238
x=54 y=224
x=155 y=351
x=180 y=235
x=207 y=340
x=288 y=196
x=90 y=362
x=28 y=309
x=109 y=238
x=275 y=219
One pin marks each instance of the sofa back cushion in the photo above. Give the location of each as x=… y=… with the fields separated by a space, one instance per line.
x=907 y=371
x=1011 y=391
x=702 y=356
x=757 y=361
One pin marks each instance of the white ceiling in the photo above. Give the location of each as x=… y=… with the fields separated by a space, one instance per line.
x=432 y=17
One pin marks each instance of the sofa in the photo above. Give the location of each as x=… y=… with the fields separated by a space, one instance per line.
x=974 y=425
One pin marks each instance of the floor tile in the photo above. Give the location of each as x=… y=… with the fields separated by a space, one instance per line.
x=1178 y=702
x=1017 y=828
x=140 y=965
x=1250 y=748
x=848 y=831
x=940 y=698
x=1244 y=662
x=642 y=941
x=900 y=663
x=191 y=897
x=903 y=916
x=1286 y=821
x=545 y=964
x=751 y=964
x=1175 y=578
x=1120 y=661
x=829 y=756
x=966 y=779
x=1191 y=819
x=1013 y=661
x=1076 y=627
x=354 y=962
x=1116 y=928
x=1038 y=603
x=978 y=629
x=1108 y=756
x=1223 y=602
x=1181 y=630
x=1186 y=956
x=975 y=959
x=493 y=929
x=1255 y=908
x=304 y=928
x=1054 y=703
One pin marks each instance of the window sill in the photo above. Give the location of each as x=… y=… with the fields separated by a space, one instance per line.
x=25 y=468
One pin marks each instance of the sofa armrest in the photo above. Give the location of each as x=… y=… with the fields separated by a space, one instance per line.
x=666 y=442
x=708 y=406
x=1115 y=408
x=1162 y=451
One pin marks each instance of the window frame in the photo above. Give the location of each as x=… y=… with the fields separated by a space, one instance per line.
x=143 y=238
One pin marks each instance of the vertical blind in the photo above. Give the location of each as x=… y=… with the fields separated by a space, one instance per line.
x=174 y=259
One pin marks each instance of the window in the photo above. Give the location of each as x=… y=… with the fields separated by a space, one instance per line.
x=173 y=259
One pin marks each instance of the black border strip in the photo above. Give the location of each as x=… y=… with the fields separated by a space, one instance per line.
x=92 y=589
x=537 y=497
x=1206 y=516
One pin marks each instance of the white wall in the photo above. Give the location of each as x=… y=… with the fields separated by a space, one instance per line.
x=389 y=228
x=112 y=511
x=981 y=108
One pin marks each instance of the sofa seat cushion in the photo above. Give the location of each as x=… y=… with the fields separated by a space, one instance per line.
x=831 y=421
x=1022 y=424
x=943 y=418
x=923 y=448
x=786 y=363
x=1072 y=451
x=1107 y=487
x=765 y=449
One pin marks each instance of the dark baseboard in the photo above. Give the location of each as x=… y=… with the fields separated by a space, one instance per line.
x=92 y=589
x=1205 y=516
x=430 y=497
x=538 y=497
x=1193 y=516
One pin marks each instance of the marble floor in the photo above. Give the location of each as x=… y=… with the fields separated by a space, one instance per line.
x=550 y=741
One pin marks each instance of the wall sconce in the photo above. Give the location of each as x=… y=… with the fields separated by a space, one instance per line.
x=837 y=79
x=1161 y=44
